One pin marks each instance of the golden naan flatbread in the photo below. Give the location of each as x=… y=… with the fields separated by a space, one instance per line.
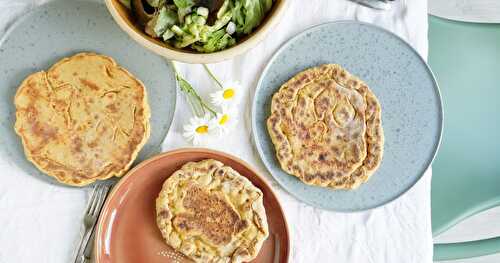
x=210 y=213
x=326 y=127
x=83 y=120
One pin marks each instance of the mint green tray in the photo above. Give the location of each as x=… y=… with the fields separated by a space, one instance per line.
x=465 y=58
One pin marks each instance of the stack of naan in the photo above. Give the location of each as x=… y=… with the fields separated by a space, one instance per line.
x=85 y=119
x=326 y=127
x=211 y=213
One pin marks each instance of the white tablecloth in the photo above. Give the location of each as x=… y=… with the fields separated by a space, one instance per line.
x=40 y=222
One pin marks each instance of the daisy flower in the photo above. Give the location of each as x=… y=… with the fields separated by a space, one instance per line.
x=227 y=97
x=199 y=130
x=225 y=121
x=207 y=121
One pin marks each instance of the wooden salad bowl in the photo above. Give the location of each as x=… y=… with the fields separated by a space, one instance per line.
x=127 y=23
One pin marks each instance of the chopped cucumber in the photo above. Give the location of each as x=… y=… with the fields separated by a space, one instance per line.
x=168 y=35
x=202 y=11
x=177 y=30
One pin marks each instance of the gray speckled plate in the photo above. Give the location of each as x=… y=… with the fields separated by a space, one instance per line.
x=412 y=115
x=61 y=29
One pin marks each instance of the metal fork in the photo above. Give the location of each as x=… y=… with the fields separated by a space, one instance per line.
x=375 y=4
x=97 y=198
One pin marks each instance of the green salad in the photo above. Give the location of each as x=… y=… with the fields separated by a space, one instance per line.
x=202 y=25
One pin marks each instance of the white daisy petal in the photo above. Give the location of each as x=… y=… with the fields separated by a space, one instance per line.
x=226 y=121
x=199 y=130
x=229 y=96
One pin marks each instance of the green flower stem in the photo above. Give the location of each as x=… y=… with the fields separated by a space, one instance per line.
x=213 y=76
x=198 y=106
x=205 y=106
x=193 y=101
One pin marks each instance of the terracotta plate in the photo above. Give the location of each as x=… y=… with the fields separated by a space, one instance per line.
x=127 y=231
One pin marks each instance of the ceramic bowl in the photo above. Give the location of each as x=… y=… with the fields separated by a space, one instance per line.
x=127 y=230
x=127 y=23
x=39 y=39
x=412 y=114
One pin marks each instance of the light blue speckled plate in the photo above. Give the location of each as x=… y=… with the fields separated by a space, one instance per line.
x=61 y=29
x=411 y=108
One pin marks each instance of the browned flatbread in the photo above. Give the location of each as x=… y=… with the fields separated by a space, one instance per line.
x=326 y=127
x=210 y=213
x=83 y=120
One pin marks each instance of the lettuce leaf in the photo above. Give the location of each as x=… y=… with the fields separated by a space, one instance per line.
x=166 y=19
x=182 y=4
x=248 y=14
x=218 y=40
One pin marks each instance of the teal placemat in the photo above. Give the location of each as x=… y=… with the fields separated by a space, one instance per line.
x=465 y=58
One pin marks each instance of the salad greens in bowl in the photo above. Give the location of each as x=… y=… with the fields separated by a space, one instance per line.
x=197 y=31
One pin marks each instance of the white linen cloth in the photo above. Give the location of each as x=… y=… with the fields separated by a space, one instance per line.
x=40 y=222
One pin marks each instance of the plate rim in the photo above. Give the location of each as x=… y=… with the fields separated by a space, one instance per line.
x=32 y=12
x=105 y=208
x=257 y=141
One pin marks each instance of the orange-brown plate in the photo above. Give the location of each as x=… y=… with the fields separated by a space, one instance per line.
x=127 y=231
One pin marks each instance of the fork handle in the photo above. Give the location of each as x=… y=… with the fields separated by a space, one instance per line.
x=79 y=256
x=375 y=4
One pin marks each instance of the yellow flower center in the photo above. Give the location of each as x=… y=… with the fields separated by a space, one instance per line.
x=228 y=93
x=224 y=119
x=202 y=129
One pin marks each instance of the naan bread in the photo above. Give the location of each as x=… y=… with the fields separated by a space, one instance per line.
x=210 y=213
x=83 y=120
x=326 y=127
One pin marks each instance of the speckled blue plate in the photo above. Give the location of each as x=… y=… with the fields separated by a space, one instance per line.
x=63 y=28
x=412 y=115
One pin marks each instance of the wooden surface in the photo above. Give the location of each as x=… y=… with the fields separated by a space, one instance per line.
x=485 y=11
